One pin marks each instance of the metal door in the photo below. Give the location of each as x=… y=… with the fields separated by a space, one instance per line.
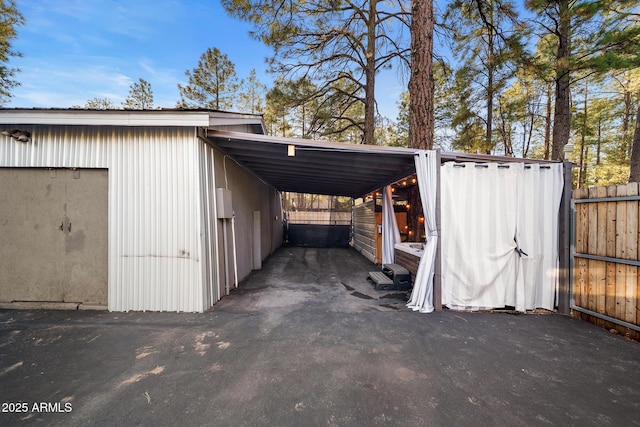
x=53 y=235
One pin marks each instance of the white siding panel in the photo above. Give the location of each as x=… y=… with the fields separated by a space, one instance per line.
x=364 y=228
x=61 y=146
x=209 y=227
x=155 y=245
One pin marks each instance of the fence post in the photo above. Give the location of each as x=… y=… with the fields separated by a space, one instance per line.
x=564 y=242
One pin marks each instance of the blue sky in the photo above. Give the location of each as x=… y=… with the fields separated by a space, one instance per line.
x=76 y=50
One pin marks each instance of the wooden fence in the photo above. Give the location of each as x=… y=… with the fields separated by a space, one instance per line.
x=606 y=257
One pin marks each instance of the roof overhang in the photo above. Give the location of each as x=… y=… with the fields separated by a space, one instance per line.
x=316 y=167
x=162 y=117
x=332 y=168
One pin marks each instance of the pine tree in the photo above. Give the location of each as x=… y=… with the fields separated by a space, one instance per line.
x=251 y=96
x=421 y=84
x=99 y=104
x=487 y=37
x=10 y=19
x=592 y=36
x=338 y=45
x=140 y=96
x=212 y=84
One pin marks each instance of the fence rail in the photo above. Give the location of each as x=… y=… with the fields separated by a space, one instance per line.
x=606 y=259
x=319 y=217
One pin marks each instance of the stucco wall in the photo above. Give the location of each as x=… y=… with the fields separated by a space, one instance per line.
x=53 y=224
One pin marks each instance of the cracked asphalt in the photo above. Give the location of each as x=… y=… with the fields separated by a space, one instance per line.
x=308 y=341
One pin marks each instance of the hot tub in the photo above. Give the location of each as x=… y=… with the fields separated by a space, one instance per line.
x=408 y=254
x=412 y=248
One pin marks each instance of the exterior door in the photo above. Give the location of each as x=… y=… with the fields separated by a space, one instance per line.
x=53 y=235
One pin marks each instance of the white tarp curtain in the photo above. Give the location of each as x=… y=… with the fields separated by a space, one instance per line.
x=390 y=232
x=537 y=231
x=427 y=173
x=489 y=213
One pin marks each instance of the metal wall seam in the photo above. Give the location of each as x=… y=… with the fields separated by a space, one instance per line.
x=209 y=221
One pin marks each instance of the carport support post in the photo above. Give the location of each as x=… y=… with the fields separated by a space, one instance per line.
x=564 y=243
x=437 y=279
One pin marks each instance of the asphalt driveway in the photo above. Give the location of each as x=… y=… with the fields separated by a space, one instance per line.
x=307 y=341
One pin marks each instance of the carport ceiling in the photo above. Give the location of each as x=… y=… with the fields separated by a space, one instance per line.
x=318 y=167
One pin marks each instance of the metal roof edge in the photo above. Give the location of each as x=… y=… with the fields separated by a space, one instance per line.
x=446 y=156
x=449 y=156
x=164 y=117
x=311 y=143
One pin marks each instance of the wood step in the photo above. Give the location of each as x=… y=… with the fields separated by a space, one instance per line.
x=380 y=280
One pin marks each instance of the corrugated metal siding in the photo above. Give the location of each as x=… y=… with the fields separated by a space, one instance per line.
x=364 y=225
x=60 y=146
x=154 y=206
x=209 y=227
x=156 y=246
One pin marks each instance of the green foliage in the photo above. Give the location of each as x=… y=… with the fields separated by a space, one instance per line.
x=338 y=46
x=276 y=114
x=212 y=84
x=311 y=112
x=591 y=37
x=487 y=36
x=601 y=152
x=140 y=96
x=99 y=104
x=10 y=19
x=468 y=126
x=445 y=107
x=251 y=95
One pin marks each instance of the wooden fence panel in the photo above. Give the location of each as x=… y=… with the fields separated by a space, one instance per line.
x=610 y=294
x=608 y=229
x=602 y=248
x=631 y=284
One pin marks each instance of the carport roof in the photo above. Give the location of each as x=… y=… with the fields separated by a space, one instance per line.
x=324 y=167
x=318 y=167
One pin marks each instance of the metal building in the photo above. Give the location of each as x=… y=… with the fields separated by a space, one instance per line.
x=128 y=210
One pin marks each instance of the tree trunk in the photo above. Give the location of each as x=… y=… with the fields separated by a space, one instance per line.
x=421 y=85
x=547 y=125
x=370 y=86
x=583 y=136
x=634 y=173
x=490 y=92
x=562 y=113
x=625 y=121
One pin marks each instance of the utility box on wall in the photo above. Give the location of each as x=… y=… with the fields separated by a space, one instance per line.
x=223 y=202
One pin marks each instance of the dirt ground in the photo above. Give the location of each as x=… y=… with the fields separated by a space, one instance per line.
x=307 y=341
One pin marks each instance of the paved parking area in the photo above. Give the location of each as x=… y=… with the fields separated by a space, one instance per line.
x=307 y=341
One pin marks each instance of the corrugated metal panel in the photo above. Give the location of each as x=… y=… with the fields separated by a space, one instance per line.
x=154 y=206
x=364 y=225
x=60 y=146
x=209 y=227
x=156 y=248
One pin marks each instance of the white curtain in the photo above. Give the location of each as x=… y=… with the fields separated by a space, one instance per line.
x=390 y=232
x=479 y=207
x=537 y=234
x=500 y=235
x=426 y=170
